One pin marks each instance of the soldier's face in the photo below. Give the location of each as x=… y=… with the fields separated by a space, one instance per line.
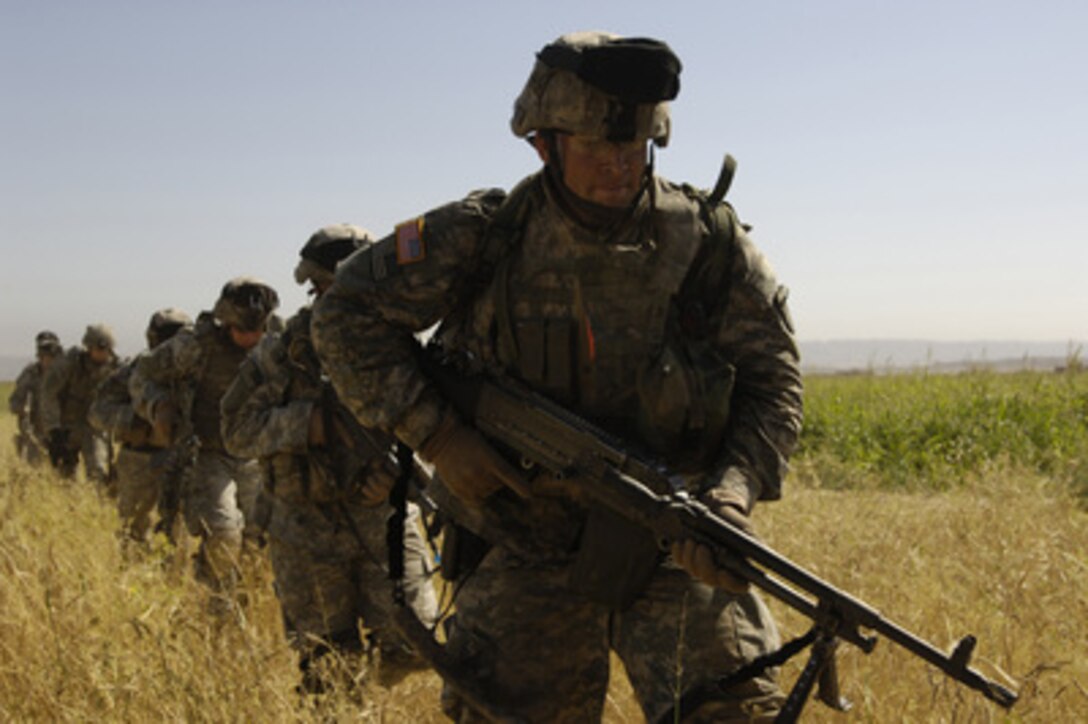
x=99 y=355
x=245 y=339
x=604 y=172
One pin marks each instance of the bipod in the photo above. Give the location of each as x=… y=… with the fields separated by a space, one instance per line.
x=821 y=668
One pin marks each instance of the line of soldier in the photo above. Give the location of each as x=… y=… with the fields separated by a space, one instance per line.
x=638 y=303
x=223 y=421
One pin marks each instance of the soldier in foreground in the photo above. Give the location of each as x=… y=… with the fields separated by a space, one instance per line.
x=67 y=392
x=139 y=462
x=177 y=387
x=25 y=401
x=636 y=303
x=328 y=491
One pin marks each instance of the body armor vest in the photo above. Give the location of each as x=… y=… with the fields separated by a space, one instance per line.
x=221 y=361
x=113 y=393
x=290 y=476
x=580 y=317
x=84 y=377
x=321 y=475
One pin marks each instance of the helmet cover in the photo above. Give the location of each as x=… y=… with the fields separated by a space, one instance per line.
x=600 y=85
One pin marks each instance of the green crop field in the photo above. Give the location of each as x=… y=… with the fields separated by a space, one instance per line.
x=953 y=504
x=915 y=432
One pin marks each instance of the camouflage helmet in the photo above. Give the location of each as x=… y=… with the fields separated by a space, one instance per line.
x=100 y=336
x=164 y=324
x=245 y=303
x=47 y=343
x=600 y=85
x=326 y=248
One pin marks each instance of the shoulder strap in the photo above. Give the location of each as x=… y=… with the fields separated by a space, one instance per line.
x=725 y=180
x=503 y=235
x=505 y=227
x=705 y=290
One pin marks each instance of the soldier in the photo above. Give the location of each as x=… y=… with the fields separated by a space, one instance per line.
x=140 y=464
x=177 y=387
x=25 y=401
x=639 y=304
x=67 y=392
x=328 y=496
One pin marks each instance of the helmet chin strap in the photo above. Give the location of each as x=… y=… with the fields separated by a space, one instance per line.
x=554 y=163
x=648 y=176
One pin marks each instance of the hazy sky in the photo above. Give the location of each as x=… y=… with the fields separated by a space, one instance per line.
x=913 y=169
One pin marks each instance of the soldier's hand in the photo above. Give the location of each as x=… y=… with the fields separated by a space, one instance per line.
x=467 y=464
x=164 y=419
x=698 y=560
x=381 y=474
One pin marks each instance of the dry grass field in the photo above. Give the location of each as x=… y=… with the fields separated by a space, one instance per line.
x=90 y=631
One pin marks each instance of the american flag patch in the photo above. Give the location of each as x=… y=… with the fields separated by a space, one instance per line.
x=410 y=247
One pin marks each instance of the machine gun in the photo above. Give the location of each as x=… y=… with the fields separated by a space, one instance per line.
x=615 y=477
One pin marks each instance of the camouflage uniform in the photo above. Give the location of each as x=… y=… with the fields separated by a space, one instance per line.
x=192 y=371
x=67 y=392
x=593 y=317
x=137 y=486
x=25 y=401
x=140 y=464
x=327 y=547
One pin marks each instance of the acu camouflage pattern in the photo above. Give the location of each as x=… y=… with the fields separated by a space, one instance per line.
x=99 y=335
x=112 y=411
x=545 y=653
x=266 y=414
x=560 y=276
x=192 y=370
x=556 y=276
x=138 y=475
x=68 y=390
x=25 y=402
x=557 y=99
x=327 y=548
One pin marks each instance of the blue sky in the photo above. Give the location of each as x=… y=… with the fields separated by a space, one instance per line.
x=913 y=170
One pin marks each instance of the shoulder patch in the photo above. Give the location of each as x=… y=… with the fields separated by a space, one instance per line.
x=410 y=246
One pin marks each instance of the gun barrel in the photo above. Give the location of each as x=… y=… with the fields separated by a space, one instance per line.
x=956 y=665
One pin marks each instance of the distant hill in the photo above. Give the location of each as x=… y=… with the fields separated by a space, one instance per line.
x=878 y=355
x=889 y=355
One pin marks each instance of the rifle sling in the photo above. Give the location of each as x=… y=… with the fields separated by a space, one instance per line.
x=697 y=696
x=394 y=531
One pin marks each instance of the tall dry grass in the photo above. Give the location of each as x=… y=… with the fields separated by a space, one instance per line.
x=1004 y=557
x=92 y=631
